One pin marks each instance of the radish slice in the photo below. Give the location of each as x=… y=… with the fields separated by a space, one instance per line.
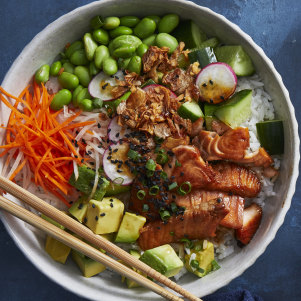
x=152 y=87
x=117 y=171
x=216 y=82
x=117 y=132
x=101 y=85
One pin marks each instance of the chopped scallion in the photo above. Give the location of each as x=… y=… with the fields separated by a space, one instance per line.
x=173 y=207
x=133 y=155
x=172 y=233
x=188 y=243
x=145 y=208
x=173 y=186
x=154 y=190
x=194 y=263
x=165 y=215
x=151 y=165
x=141 y=194
x=163 y=175
x=215 y=265
x=178 y=164
x=184 y=188
x=162 y=158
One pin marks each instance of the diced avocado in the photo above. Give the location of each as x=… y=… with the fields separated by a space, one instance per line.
x=129 y=282
x=50 y=220
x=237 y=58
x=199 y=261
x=204 y=56
x=114 y=189
x=57 y=250
x=85 y=182
x=130 y=227
x=88 y=266
x=235 y=110
x=213 y=42
x=104 y=216
x=163 y=259
x=79 y=209
x=190 y=110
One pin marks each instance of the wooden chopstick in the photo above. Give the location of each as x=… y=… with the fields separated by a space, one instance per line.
x=82 y=247
x=89 y=236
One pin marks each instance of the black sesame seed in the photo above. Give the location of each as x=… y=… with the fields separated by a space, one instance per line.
x=204 y=85
x=99 y=125
x=80 y=206
x=111 y=200
x=211 y=82
x=211 y=100
x=115 y=150
x=111 y=205
x=109 y=157
x=82 y=160
x=181 y=173
x=93 y=205
x=158 y=228
x=119 y=170
x=219 y=200
x=222 y=97
x=71 y=202
x=96 y=217
x=102 y=214
x=76 y=156
x=109 y=130
x=85 y=220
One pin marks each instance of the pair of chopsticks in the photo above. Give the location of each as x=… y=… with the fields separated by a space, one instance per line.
x=84 y=232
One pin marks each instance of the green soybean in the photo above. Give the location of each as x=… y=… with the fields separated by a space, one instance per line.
x=125 y=40
x=83 y=74
x=55 y=68
x=101 y=53
x=155 y=18
x=129 y=21
x=93 y=70
x=42 y=74
x=166 y=40
x=83 y=94
x=142 y=49
x=135 y=64
x=101 y=36
x=109 y=66
x=68 y=67
x=97 y=103
x=85 y=105
x=90 y=46
x=79 y=58
x=123 y=63
x=62 y=98
x=78 y=89
x=150 y=41
x=68 y=80
x=145 y=28
x=73 y=47
x=96 y=22
x=111 y=23
x=120 y=31
x=124 y=52
x=168 y=23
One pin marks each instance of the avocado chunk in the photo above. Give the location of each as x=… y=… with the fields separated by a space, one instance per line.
x=104 y=216
x=163 y=259
x=79 y=209
x=85 y=182
x=57 y=250
x=129 y=227
x=88 y=266
x=129 y=282
x=200 y=259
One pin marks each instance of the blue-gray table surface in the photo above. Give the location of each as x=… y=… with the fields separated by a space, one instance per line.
x=275 y=26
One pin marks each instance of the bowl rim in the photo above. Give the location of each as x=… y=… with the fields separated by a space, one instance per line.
x=295 y=151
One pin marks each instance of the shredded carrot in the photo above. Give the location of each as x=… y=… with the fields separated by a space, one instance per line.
x=46 y=144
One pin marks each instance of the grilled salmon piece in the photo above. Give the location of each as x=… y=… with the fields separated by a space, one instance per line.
x=257 y=158
x=234 y=219
x=196 y=223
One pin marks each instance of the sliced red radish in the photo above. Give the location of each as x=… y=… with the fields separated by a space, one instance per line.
x=150 y=88
x=117 y=132
x=216 y=82
x=117 y=171
x=101 y=85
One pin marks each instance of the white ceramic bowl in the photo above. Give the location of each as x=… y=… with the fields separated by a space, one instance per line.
x=43 y=49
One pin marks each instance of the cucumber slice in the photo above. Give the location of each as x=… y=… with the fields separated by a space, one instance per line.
x=237 y=58
x=204 y=56
x=235 y=110
x=190 y=110
x=209 y=109
x=213 y=42
x=271 y=136
x=188 y=32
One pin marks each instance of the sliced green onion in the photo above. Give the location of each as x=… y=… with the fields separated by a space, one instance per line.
x=173 y=207
x=173 y=186
x=165 y=215
x=178 y=164
x=184 y=188
x=188 y=243
x=162 y=158
x=198 y=248
x=149 y=173
x=194 y=263
x=163 y=175
x=133 y=155
x=215 y=265
x=172 y=233
x=118 y=181
x=154 y=190
x=141 y=194
x=151 y=165
x=145 y=208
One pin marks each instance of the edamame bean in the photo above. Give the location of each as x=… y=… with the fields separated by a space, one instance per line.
x=55 y=68
x=145 y=28
x=42 y=74
x=166 y=40
x=120 y=31
x=75 y=94
x=82 y=72
x=62 y=98
x=90 y=46
x=83 y=94
x=79 y=58
x=111 y=23
x=97 y=103
x=150 y=41
x=124 y=52
x=101 y=36
x=125 y=40
x=155 y=18
x=68 y=80
x=85 y=105
x=123 y=63
x=73 y=47
x=96 y=22
x=93 y=70
x=142 y=49
x=129 y=21
x=101 y=53
x=109 y=66
x=68 y=67
x=135 y=64
x=168 y=23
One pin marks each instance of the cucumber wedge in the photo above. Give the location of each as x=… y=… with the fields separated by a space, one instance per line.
x=213 y=42
x=204 y=56
x=209 y=109
x=190 y=110
x=271 y=137
x=235 y=110
x=237 y=58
